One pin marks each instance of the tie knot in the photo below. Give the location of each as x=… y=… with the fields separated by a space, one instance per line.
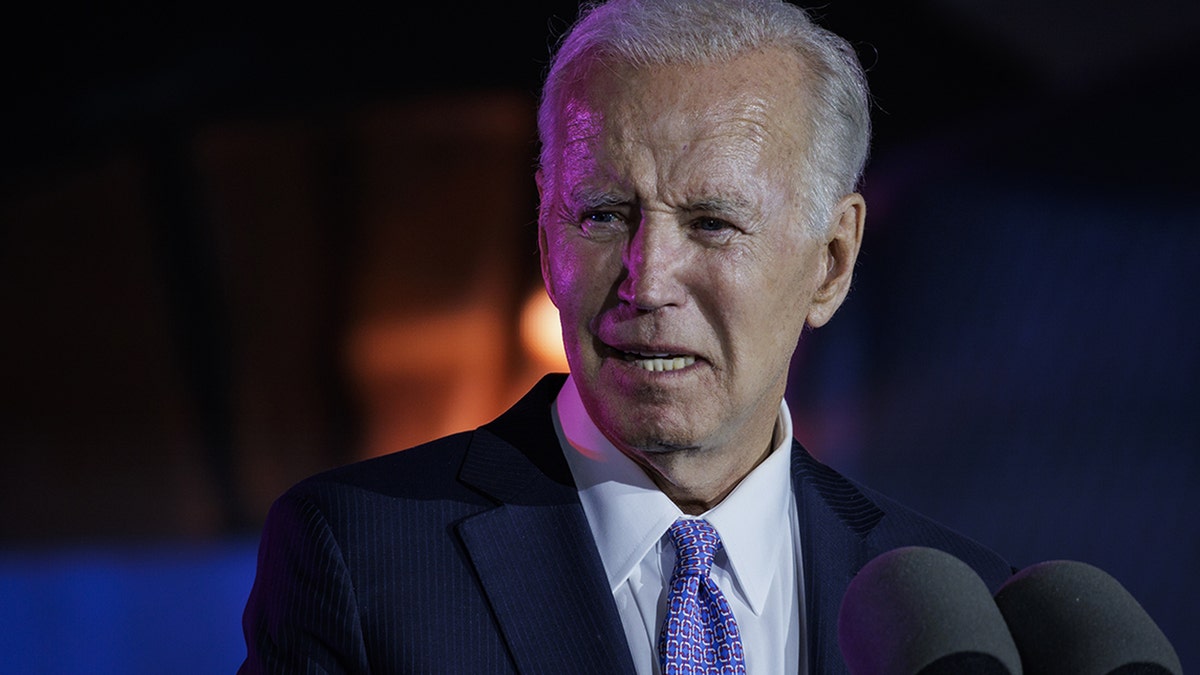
x=696 y=542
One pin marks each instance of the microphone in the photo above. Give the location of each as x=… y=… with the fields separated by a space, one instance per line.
x=1070 y=618
x=917 y=610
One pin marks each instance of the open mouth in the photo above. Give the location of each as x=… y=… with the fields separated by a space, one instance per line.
x=657 y=363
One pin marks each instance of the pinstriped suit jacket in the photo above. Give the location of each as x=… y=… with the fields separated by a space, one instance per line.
x=472 y=554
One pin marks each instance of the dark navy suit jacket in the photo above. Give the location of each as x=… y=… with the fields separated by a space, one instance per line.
x=472 y=554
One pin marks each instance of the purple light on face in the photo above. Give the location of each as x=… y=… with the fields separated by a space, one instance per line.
x=581 y=124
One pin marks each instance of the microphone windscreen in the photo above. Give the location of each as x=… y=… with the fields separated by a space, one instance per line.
x=920 y=610
x=1070 y=618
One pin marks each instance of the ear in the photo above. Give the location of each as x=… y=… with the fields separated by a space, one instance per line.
x=543 y=250
x=841 y=250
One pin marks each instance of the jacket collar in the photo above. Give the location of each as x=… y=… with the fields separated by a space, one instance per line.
x=533 y=552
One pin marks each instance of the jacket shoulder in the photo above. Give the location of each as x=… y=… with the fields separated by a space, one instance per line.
x=882 y=523
x=424 y=469
x=904 y=526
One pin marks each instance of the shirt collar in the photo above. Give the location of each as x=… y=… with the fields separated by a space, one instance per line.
x=629 y=515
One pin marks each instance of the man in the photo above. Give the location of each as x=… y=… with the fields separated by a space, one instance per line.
x=697 y=176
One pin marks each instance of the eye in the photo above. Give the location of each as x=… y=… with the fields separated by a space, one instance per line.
x=711 y=225
x=601 y=217
x=600 y=224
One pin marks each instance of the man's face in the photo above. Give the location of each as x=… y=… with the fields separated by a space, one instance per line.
x=674 y=244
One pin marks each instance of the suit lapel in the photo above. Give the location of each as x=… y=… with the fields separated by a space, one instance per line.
x=835 y=518
x=534 y=552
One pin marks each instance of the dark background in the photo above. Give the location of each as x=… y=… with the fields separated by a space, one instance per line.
x=227 y=260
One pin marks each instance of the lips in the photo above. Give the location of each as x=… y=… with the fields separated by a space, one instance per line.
x=657 y=363
x=631 y=341
x=653 y=359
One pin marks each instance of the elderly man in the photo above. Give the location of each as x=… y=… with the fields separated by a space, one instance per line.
x=652 y=511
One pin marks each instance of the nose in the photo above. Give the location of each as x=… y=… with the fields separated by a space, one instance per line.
x=653 y=260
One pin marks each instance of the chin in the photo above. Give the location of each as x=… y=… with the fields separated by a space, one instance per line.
x=650 y=436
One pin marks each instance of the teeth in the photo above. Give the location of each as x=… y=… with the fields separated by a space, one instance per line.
x=659 y=364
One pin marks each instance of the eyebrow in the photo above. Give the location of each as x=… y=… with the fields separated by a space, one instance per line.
x=593 y=198
x=720 y=205
x=596 y=198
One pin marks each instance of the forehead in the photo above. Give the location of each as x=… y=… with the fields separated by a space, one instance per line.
x=748 y=113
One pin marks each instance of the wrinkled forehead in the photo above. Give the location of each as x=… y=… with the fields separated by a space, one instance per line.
x=755 y=103
x=580 y=127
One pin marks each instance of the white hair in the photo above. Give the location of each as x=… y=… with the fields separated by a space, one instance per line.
x=655 y=32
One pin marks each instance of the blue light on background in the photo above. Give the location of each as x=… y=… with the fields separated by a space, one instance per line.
x=161 y=608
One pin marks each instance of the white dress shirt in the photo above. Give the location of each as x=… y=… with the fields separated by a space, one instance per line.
x=758 y=570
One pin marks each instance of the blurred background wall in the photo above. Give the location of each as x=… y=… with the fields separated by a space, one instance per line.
x=241 y=245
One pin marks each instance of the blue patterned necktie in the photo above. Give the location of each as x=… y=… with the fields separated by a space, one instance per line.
x=700 y=635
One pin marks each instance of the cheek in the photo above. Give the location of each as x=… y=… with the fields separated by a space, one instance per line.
x=564 y=275
x=575 y=277
x=773 y=307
